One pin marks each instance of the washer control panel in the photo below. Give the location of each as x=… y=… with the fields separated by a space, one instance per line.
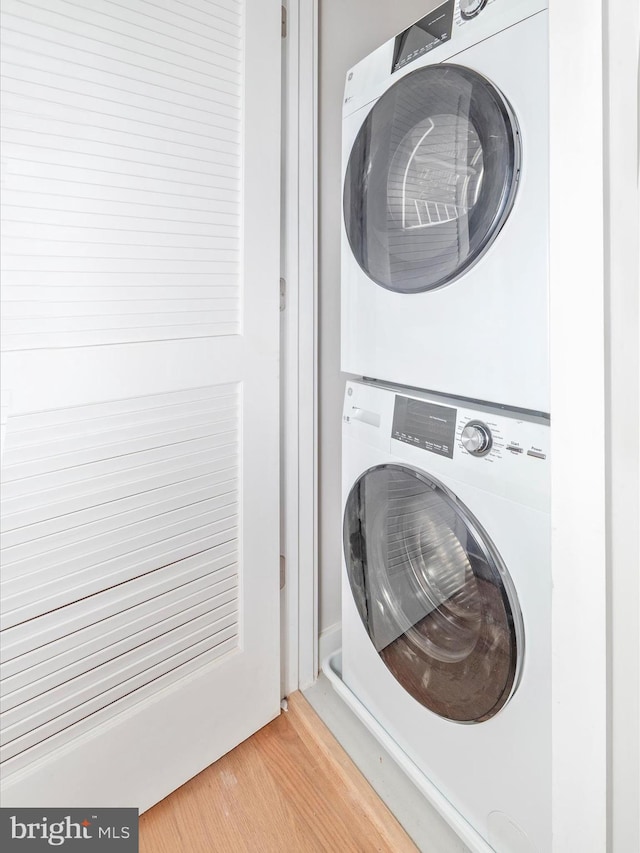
x=483 y=446
x=485 y=434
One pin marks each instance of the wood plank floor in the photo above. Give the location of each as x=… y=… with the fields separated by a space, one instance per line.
x=290 y=788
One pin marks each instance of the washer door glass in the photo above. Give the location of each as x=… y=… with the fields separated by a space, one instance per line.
x=433 y=594
x=431 y=178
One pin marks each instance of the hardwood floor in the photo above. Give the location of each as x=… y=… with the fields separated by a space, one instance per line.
x=290 y=788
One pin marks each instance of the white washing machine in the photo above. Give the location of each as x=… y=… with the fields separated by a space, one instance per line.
x=445 y=206
x=447 y=599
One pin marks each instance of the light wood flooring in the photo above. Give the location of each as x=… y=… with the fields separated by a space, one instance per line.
x=290 y=788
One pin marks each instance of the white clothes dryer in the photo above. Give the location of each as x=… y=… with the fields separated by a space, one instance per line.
x=445 y=206
x=447 y=599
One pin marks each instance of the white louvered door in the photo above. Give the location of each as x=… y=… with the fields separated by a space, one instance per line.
x=140 y=222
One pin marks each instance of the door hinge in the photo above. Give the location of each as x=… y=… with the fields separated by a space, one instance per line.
x=283 y=20
x=283 y=294
x=283 y=572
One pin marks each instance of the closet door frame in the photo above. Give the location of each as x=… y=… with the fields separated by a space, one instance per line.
x=299 y=336
x=581 y=69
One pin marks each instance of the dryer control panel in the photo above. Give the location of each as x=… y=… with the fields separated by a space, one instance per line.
x=425 y=35
x=441 y=35
x=435 y=29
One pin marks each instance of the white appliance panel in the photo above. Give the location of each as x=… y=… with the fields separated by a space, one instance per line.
x=484 y=335
x=497 y=773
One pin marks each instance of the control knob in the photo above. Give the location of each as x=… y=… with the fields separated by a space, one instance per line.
x=476 y=438
x=471 y=8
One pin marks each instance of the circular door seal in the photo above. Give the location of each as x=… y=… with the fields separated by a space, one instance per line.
x=433 y=593
x=431 y=178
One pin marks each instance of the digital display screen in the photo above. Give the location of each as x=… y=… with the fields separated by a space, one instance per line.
x=425 y=425
x=433 y=30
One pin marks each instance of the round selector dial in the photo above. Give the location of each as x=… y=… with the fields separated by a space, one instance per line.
x=471 y=8
x=476 y=438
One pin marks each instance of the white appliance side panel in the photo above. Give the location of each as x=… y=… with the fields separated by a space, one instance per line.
x=485 y=336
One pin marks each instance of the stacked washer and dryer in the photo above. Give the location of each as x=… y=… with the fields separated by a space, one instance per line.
x=446 y=488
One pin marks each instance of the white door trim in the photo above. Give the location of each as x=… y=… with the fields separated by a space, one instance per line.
x=622 y=270
x=299 y=364
x=577 y=323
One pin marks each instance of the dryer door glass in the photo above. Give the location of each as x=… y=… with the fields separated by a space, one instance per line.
x=433 y=593
x=431 y=178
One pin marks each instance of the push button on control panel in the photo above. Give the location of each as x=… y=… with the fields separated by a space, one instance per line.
x=537 y=454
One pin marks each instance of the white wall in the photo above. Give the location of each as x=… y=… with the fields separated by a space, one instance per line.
x=348 y=31
x=578 y=472
x=622 y=267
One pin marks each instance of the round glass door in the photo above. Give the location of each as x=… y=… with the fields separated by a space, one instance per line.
x=433 y=594
x=431 y=178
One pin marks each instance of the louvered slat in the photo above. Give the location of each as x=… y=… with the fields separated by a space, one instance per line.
x=121 y=129
x=120 y=555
